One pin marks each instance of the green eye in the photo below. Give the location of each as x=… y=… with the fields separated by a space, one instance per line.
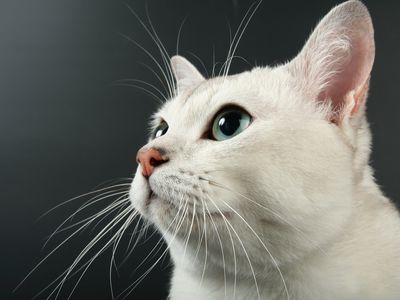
x=160 y=130
x=230 y=122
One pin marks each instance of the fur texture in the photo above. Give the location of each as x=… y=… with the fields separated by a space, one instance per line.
x=288 y=208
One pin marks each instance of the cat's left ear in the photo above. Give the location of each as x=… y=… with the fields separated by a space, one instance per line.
x=186 y=75
x=336 y=62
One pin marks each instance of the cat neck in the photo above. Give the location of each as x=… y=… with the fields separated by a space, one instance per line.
x=358 y=247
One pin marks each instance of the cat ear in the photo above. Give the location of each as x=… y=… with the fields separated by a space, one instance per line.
x=336 y=62
x=186 y=75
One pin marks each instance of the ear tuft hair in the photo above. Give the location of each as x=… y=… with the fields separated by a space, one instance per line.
x=337 y=59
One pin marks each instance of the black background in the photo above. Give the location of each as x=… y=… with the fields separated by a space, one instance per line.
x=65 y=127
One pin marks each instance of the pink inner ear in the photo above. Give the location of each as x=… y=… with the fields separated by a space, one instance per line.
x=351 y=73
x=360 y=97
x=335 y=63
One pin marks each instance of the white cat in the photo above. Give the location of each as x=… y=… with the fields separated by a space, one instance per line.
x=260 y=182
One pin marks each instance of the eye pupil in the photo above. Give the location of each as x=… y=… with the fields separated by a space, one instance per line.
x=161 y=130
x=229 y=123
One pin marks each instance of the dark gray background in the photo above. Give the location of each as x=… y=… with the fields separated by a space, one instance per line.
x=65 y=128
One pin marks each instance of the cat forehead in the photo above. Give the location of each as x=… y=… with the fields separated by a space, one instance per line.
x=253 y=90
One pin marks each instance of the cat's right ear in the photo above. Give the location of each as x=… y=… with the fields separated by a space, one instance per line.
x=186 y=75
x=335 y=63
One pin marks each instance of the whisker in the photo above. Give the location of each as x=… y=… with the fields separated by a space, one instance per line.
x=213 y=63
x=51 y=253
x=156 y=89
x=214 y=183
x=242 y=245
x=117 y=240
x=263 y=244
x=88 y=221
x=190 y=229
x=164 y=53
x=65 y=272
x=81 y=196
x=205 y=243
x=200 y=238
x=160 y=241
x=220 y=243
x=107 y=214
x=131 y=246
x=133 y=285
x=238 y=57
x=87 y=204
x=91 y=244
x=178 y=38
x=200 y=61
x=154 y=96
x=170 y=91
x=158 y=78
x=108 y=244
x=239 y=33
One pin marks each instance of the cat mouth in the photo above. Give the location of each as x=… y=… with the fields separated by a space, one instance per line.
x=152 y=197
x=170 y=205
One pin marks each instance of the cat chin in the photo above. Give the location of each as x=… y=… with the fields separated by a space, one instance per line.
x=174 y=219
x=167 y=211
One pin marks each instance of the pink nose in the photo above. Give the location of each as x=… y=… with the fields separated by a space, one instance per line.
x=149 y=158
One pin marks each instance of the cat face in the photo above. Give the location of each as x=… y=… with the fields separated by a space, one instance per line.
x=261 y=165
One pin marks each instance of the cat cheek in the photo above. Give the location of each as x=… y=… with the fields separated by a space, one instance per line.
x=139 y=192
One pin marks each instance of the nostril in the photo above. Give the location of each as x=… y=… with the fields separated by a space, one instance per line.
x=155 y=162
x=149 y=159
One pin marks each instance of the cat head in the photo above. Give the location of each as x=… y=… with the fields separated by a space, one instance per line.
x=262 y=164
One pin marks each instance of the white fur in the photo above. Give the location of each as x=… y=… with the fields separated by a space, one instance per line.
x=290 y=203
x=185 y=73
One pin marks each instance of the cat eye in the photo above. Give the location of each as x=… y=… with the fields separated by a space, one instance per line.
x=160 y=130
x=229 y=122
